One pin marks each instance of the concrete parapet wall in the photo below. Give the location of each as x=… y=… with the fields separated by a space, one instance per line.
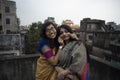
x=23 y=68
x=99 y=69
x=18 y=67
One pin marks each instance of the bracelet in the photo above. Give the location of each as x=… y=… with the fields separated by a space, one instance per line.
x=60 y=47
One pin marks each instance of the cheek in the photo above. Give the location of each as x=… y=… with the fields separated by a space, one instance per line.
x=47 y=34
x=55 y=31
x=65 y=37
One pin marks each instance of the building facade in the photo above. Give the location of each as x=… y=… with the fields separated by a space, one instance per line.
x=50 y=19
x=8 y=17
x=71 y=24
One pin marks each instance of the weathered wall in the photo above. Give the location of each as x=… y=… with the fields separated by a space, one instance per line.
x=103 y=70
x=18 y=68
x=12 y=44
x=24 y=67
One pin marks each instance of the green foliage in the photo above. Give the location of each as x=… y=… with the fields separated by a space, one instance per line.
x=33 y=38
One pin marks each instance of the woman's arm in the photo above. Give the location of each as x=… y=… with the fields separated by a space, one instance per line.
x=62 y=73
x=48 y=53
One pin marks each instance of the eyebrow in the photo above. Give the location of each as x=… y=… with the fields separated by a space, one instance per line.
x=51 y=27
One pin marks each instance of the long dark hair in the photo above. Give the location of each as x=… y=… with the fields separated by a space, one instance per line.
x=51 y=43
x=68 y=29
x=43 y=29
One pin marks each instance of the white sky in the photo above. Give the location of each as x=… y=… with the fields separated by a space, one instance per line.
x=38 y=10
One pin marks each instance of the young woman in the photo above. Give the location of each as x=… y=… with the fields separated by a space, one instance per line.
x=49 y=52
x=73 y=59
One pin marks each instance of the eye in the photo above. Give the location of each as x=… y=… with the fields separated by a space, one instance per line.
x=66 y=31
x=61 y=32
x=52 y=28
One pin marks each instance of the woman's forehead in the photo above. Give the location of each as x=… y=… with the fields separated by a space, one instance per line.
x=49 y=26
x=63 y=29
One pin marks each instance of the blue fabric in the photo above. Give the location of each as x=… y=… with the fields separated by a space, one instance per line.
x=87 y=76
x=41 y=44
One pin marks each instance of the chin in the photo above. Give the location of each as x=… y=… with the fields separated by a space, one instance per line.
x=53 y=37
x=66 y=38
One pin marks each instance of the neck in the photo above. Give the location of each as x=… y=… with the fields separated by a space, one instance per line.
x=67 y=41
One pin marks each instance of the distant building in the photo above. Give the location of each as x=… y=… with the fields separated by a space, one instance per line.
x=24 y=29
x=113 y=25
x=92 y=25
x=68 y=22
x=50 y=19
x=71 y=24
x=8 y=18
x=118 y=28
x=10 y=42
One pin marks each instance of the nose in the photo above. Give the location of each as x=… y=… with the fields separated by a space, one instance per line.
x=50 y=31
x=63 y=33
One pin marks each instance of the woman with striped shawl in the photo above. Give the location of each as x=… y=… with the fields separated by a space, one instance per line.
x=73 y=59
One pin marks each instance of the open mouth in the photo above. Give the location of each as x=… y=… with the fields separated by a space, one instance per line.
x=52 y=34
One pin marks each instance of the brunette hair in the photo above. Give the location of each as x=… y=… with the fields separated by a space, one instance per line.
x=43 y=29
x=51 y=43
x=67 y=28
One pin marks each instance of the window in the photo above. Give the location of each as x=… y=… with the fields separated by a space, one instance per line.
x=90 y=37
x=0 y=28
x=8 y=31
x=0 y=16
x=7 y=21
x=89 y=27
x=7 y=9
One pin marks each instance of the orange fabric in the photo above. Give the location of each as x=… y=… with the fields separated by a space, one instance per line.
x=44 y=70
x=53 y=75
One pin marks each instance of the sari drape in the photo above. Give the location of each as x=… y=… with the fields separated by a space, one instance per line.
x=78 y=63
x=44 y=70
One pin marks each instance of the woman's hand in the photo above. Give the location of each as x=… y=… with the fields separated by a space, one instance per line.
x=61 y=72
x=60 y=40
x=73 y=35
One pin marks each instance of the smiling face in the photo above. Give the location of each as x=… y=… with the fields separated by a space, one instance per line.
x=64 y=34
x=50 y=31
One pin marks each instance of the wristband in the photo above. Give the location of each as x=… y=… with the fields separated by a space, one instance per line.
x=60 y=47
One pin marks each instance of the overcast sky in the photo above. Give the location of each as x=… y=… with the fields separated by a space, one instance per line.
x=38 y=10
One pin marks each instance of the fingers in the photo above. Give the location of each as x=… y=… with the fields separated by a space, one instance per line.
x=74 y=36
x=60 y=77
x=60 y=40
x=59 y=69
x=61 y=72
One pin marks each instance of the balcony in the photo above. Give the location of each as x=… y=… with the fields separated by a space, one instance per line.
x=23 y=68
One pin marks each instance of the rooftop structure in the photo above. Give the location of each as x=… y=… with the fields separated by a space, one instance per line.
x=8 y=18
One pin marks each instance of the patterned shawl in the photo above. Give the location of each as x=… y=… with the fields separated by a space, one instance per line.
x=73 y=57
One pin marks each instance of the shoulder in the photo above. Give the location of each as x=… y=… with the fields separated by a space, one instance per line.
x=77 y=45
x=42 y=42
x=74 y=43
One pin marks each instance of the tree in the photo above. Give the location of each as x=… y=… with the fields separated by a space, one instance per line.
x=33 y=38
